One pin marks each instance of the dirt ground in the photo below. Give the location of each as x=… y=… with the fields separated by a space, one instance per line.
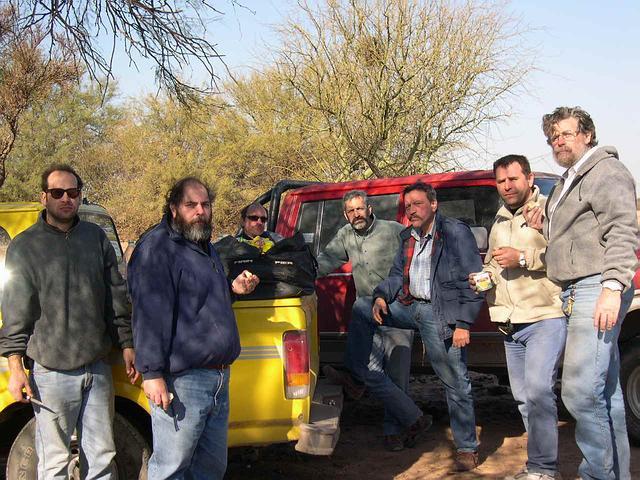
x=360 y=454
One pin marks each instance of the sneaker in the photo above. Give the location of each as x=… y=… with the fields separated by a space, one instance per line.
x=526 y=475
x=393 y=443
x=522 y=475
x=352 y=389
x=518 y=476
x=466 y=461
x=417 y=430
x=543 y=476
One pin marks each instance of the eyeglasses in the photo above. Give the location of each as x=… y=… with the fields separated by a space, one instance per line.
x=58 y=193
x=255 y=218
x=566 y=136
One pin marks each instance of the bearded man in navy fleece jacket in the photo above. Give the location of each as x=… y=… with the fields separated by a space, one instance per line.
x=186 y=331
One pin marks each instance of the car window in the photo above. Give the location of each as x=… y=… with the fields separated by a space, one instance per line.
x=331 y=220
x=107 y=225
x=476 y=206
x=308 y=222
x=385 y=206
x=545 y=185
x=332 y=216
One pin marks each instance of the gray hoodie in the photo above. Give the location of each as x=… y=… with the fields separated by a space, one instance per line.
x=594 y=226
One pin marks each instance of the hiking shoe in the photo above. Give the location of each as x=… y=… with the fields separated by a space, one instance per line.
x=393 y=443
x=522 y=475
x=526 y=475
x=337 y=377
x=466 y=461
x=417 y=430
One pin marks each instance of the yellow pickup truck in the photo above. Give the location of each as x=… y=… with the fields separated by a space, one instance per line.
x=275 y=393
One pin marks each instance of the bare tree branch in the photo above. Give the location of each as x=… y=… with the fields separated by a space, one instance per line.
x=27 y=76
x=402 y=83
x=172 y=34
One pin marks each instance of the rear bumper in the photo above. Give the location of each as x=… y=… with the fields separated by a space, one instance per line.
x=320 y=435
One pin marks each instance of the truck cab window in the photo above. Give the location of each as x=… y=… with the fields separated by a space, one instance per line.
x=385 y=206
x=308 y=223
x=331 y=220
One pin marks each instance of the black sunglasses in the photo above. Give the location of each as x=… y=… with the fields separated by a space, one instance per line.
x=255 y=218
x=58 y=193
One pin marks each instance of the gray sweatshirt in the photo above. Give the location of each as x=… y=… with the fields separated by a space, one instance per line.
x=65 y=298
x=371 y=254
x=594 y=229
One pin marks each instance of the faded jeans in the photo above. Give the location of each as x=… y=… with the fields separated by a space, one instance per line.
x=591 y=388
x=391 y=354
x=533 y=353
x=80 y=400
x=448 y=362
x=190 y=438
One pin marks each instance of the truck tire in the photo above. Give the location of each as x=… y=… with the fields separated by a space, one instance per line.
x=630 y=380
x=132 y=453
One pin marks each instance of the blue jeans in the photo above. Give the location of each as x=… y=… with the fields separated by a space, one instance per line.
x=591 y=388
x=533 y=353
x=448 y=362
x=80 y=400
x=391 y=354
x=190 y=438
x=400 y=411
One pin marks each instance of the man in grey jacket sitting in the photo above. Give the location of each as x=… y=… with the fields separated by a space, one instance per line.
x=591 y=227
x=370 y=244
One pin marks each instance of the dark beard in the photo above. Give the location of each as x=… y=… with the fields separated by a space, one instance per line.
x=195 y=232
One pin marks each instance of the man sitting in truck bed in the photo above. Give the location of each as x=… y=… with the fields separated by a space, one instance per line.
x=253 y=228
x=370 y=244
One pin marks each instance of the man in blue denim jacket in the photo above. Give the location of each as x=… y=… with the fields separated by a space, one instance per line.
x=427 y=289
x=186 y=331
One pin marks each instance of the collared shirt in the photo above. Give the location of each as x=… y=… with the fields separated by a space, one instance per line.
x=568 y=176
x=420 y=269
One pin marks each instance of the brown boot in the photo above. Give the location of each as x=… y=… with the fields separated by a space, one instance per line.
x=466 y=461
x=417 y=430
x=393 y=443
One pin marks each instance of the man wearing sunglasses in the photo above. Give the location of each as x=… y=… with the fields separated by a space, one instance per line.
x=64 y=303
x=254 y=228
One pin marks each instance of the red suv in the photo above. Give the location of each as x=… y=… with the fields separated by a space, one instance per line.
x=315 y=209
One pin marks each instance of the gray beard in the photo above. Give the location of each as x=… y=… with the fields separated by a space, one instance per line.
x=195 y=232
x=566 y=163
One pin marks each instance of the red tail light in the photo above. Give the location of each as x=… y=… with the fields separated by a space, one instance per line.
x=296 y=363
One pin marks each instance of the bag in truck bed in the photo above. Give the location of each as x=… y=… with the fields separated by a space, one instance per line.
x=288 y=269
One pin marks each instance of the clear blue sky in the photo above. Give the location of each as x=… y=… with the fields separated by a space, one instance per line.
x=588 y=55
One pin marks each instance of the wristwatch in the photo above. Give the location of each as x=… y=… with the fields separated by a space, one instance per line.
x=521 y=260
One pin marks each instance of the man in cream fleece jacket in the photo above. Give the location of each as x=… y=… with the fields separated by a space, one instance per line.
x=528 y=306
x=590 y=224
